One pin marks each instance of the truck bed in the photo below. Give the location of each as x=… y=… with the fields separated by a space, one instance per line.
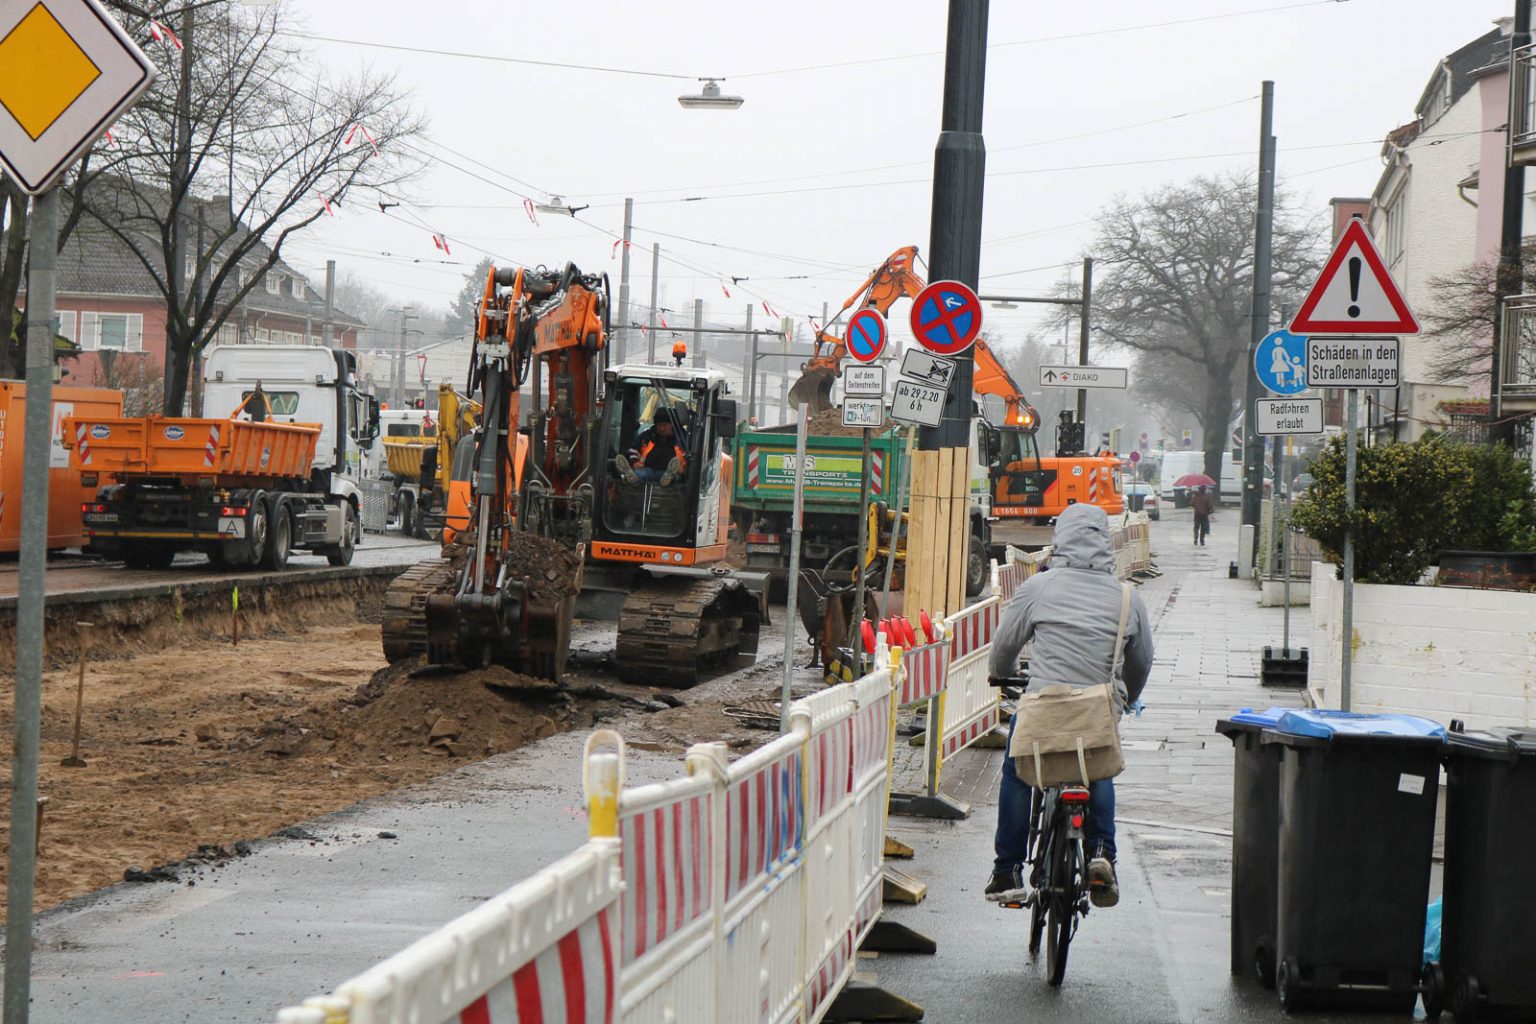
x=765 y=475
x=211 y=452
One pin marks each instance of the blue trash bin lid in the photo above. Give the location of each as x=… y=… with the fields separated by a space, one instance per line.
x=1331 y=725
x=1504 y=743
x=1249 y=720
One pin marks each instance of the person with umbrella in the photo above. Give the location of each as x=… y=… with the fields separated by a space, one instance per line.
x=1202 y=502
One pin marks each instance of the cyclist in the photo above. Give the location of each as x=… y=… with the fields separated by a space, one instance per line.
x=1070 y=614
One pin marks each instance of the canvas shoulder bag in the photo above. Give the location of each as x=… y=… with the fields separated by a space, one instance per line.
x=1065 y=735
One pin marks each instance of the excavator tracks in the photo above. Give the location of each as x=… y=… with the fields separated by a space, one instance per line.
x=406 y=630
x=673 y=628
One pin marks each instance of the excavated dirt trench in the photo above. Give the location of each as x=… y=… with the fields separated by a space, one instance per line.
x=195 y=746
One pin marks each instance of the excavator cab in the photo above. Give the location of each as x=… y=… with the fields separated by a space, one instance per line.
x=661 y=444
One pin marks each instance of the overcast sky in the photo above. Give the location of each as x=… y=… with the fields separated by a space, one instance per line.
x=824 y=171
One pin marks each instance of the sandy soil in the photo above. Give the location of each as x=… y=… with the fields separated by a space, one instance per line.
x=198 y=747
x=191 y=750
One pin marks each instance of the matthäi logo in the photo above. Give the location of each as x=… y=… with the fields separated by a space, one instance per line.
x=174 y=433
x=101 y=431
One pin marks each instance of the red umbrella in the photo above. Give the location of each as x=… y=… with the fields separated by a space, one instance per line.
x=1194 y=480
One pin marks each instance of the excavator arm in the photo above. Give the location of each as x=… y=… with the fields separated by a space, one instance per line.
x=891 y=280
x=992 y=378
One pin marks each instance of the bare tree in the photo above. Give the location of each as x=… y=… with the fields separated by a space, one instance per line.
x=138 y=375
x=237 y=147
x=1176 y=281
x=1460 y=317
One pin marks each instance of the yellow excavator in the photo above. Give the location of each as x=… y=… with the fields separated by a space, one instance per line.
x=422 y=465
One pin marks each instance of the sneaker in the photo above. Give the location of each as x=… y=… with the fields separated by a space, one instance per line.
x=1006 y=885
x=1103 y=886
x=674 y=470
x=626 y=471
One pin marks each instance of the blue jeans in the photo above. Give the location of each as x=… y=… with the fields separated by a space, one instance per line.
x=647 y=475
x=1011 y=842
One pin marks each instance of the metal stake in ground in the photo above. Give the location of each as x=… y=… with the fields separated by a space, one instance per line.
x=74 y=760
x=856 y=620
x=796 y=518
x=1347 y=619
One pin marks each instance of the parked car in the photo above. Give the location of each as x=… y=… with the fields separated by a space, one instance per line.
x=1141 y=497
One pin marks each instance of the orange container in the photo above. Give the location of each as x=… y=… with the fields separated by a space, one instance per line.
x=65 y=491
x=227 y=453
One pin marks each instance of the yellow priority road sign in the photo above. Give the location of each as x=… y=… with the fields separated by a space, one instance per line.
x=67 y=71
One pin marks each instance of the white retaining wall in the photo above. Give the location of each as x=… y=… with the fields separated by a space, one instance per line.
x=1440 y=652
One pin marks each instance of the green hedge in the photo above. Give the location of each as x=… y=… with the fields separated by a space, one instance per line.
x=1415 y=500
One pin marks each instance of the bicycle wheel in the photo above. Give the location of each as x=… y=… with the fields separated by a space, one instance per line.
x=1067 y=880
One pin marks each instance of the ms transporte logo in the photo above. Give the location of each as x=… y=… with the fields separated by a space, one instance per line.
x=101 y=431
x=174 y=433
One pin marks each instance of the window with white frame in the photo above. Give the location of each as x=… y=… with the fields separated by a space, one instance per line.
x=114 y=332
x=68 y=320
x=298 y=288
x=1397 y=216
x=1439 y=100
x=274 y=283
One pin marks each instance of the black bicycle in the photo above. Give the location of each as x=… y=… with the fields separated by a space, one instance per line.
x=1058 y=876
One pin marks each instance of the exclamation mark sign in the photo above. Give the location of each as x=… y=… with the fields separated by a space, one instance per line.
x=1354 y=286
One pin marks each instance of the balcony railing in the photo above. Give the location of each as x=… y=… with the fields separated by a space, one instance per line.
x=1518 y=357
x=1522 y=105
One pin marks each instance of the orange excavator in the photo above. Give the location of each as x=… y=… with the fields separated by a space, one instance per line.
x=891 y=280
x=558 y=485
x=1024 y=487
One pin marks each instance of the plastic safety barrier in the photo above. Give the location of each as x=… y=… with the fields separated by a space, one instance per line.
x=738 y=893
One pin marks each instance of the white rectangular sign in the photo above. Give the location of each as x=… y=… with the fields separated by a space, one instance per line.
x=863 y=412
x=918 y=403
x=863 y=381
x=1115 y=377
x=1352 y=362
x=928 y=368
x=1274 y=417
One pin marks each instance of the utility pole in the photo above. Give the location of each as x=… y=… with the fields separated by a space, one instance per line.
x=1263 y=231
x=650 y=352
x=699 y=359
x=621 y=340
x=1083 y=327
x=749 y=371
x=941 y=485
x=330 y=304
x=1507 y=282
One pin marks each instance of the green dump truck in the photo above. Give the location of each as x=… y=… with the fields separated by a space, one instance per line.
x=763 y=493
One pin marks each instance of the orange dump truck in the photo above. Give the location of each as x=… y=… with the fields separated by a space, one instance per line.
x=65 y=490
x=244 y=491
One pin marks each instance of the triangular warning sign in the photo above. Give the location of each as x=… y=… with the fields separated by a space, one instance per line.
x=1354 y=295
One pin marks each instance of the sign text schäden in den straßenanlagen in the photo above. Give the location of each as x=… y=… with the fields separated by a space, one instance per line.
x=1340 y=363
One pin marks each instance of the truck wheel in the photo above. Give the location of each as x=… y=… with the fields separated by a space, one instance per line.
x=257 y=526
x=975 y=568
x=279 y=540
x=341 y=554
x=407 y=514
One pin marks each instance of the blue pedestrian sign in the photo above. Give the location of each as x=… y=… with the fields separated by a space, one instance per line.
x=1280 y=361
x=866 y=335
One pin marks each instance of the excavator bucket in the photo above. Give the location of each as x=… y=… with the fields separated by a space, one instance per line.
x=813 y=389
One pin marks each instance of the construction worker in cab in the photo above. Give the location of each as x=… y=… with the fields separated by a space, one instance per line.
x=658 y=456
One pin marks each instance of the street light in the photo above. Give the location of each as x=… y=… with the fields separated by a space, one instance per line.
x=711 y=98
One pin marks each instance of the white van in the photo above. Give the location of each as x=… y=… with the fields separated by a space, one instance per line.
x=1175 y=465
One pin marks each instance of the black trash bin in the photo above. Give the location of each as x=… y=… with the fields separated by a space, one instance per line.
x=1357 y=830
x=1255 y=841
x=1488 y=924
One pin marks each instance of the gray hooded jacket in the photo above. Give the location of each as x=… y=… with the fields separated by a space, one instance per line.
x=1070 y=613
